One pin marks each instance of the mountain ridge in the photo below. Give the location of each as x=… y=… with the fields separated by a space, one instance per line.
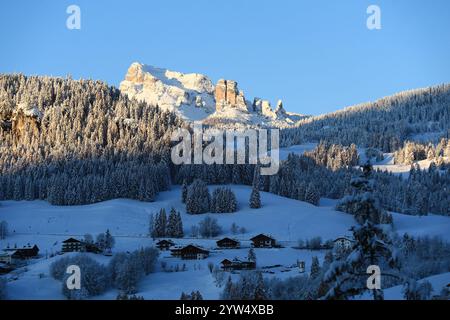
x=194 y=97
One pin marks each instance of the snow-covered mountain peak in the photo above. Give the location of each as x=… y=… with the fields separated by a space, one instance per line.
x=194 y=97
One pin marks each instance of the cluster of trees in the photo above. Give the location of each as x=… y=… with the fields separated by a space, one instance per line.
x=223 y=201
x=124 y=272
x=94 y=276
x=208 y=227
x=104 y=241
x=127 y=269
x=422 y=257
x=77 y=142
x=422 y=192
x=161 y=226
x=334 y=156
x=198 y=200
x=194 y=295
x=314 y=243
x=416 y=151
x=384 y=124
x=250 y=286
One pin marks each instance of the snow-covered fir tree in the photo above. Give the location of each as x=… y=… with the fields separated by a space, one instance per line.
x=255 y=197
x=198 y=198
x=312 y=194
x=223 y=201
x=174 y=225
x=362 y=203
x=184 y=191
x=315 y=267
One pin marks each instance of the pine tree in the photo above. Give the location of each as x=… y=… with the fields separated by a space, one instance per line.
x=362 y=204
x=315 y=267
x=171 y=229
x=160 y=224
x=372 y=246
x=109 y=241
x=179 y=233
x=184 y=192
x=347 y=276
x=255 y=197
x=312 y=195
x=228 y=290
x=260 y=290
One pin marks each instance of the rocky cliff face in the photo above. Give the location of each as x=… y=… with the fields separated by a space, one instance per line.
x=194 y=97
x=227 y=96
x=23 y=118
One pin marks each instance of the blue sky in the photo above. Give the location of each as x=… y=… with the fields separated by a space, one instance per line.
x=318 y=56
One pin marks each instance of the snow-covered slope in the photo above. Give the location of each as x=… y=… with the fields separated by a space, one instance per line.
x=192 y=96
x=285 y=219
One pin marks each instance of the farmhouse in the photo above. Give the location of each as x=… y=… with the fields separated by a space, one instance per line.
x=27 y=252
x=190 y=252
x=75 y=245
x=263 y=241
x=194 y=252
x=164 y=244
x=227 y=243
x=236 y=264
x=72 y=245
x=343 y=243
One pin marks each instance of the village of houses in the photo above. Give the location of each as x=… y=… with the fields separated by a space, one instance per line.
x=271 y=240
x=14 y=256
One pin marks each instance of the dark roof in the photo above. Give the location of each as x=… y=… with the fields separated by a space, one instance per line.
x=72 y=240
x=165 y=242
x=26 y=252
x=227 y=240
x=343 y=238
x=225 y=261
x=193 y=248
x=261 y=237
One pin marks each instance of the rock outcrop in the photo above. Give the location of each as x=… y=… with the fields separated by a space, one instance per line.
x=279 y=110
x=26 y=118
x=188 y=94
x=227 y=95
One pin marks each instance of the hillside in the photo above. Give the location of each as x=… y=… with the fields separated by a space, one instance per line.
x=384 y=124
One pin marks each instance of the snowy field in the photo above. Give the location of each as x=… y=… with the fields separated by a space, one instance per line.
x=287 y=220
